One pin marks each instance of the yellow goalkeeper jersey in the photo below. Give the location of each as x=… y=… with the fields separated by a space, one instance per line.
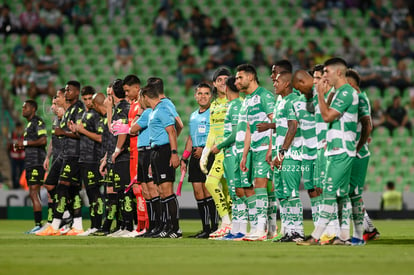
x=218 y=110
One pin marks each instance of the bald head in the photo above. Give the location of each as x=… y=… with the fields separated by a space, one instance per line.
x=98 y=103
x=302 y=81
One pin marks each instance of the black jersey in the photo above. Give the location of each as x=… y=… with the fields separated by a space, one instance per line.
x=56 y=141
x=71 y=146
x=35 y=155
x=88 y=147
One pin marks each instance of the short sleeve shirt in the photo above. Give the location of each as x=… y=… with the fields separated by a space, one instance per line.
x=35 y=129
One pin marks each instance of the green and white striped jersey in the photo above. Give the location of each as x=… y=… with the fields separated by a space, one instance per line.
x=364 y=109
x=341 y=135
x=256 y=108
x=242 y=125
x=321 y=125
x=302 y=113
x=282 y=113
x=232 y=117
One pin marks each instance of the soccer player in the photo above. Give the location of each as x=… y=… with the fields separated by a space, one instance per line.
x=342 y=116
x=259 y=105
x=310 y=141
x=218 y=111
x=287 y=161
x=132 y=85
x=90 y=132
x=34 y=144
x=164 y=155
x=199 y=128
x=231 y=166
x=120 y=157
x=360 y=166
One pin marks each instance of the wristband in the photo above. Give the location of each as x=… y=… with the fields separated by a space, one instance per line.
x=186 y=154
x=185 y=160
x=24 y=142
x=117 y=150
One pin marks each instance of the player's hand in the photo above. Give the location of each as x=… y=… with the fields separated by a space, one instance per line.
x=278 y=160
x=322 y=87
x=261 y=127
x=102 y=168
x=183 y=166
x=318 y=191
x=243 y=167
x=174 y=161
x=204 y=160
x=215 y=150
x=80 y=128
x=108 y=102
x=119 y=128
x=72 y=126
x=197 y=152
x=114 y=156
x=59 y=132
x=46 y=164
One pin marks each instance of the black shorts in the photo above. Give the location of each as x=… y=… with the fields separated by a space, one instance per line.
x=194 y=171
x=89 y=174
x=120 y=177
x=35 y=175
x=54 y=172
x=144 y=158
x=70 y=171
x=160 y=164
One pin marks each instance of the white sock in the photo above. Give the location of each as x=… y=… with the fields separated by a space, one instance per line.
x=56 y=223
x=66 y=214
x=235 y=227
x=243 y=227
x=77 y=223
x=225 y=219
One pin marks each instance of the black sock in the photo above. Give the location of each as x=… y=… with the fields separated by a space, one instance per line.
x=76 y=200
x=38 y=218
x=62 y=192
x=173 y=211
x=157 y=211
x=134 y=208
x=165 y=220
x=204 y=216
x=51 y=205
x=214 y=218
x=111 y=209
x=127 y=211
x=150 y=213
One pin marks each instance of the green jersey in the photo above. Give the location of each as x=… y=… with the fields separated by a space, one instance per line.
x=341 y=134
x=259 y=105
x=230 y=122
x=321 y=125
x=364 y=109
x=242 y=125
x=282 y=113
x=302 y=113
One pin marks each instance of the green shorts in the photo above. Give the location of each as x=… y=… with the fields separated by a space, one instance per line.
x=308 y=173
x=320 y=168
x=287 y=179
x=260 y=169
x=338 y=175
x=243 y=179
x=358 y=174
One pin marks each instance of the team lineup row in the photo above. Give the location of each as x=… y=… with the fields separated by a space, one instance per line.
x=245 y=155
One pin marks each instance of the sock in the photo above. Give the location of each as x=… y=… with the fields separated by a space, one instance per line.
x=345 y=208
x=272 y=212
x=38 y=218
x=77 y=201
x=262 y=203
x=203 y=211
x=77 y=223
x=225 y=219
x=227 y=195
x=173 y=211
x=212 y=211
x=51 y=204
x=368 y=225
x=243 y=215
x=297 y=215
x=327 y=213
x=149 y=213
x=358 y=211
x=251 y=204
x=62 y=192
x=315 y=209
x=235 y=223
x=99 y=210
x=127 y=211
x=156 y=212
x=283 y=213
x=166 y=221
x=120 y=210
x=111 y=209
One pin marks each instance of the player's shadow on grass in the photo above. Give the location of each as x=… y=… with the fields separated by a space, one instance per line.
x=392 y=242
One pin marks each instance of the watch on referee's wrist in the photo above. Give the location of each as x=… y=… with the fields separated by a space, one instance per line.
x=173 y=151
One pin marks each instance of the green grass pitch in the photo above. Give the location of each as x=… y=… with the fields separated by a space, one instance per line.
x=393 y=253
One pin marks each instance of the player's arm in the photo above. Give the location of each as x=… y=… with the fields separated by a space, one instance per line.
x=365 y=131
x=172 y=137
x=93 y=136
x=226 y=143
x=179 y=125
x=328 y=114
x=41 y=141
x=290 y=134
x=246 y=149
x=186 y=154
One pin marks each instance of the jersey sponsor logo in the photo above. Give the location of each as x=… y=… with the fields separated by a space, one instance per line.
x=90 y=175
x=67 y=168
x=117 y=178
x=163 y=176
x=35 y=172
